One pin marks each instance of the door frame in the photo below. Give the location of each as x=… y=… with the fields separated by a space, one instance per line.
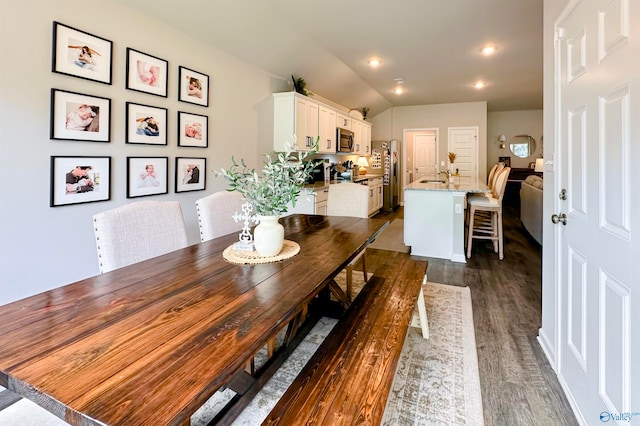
x=405 y=141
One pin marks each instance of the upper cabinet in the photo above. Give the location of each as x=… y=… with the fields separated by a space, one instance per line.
x=358 y=142
x=344 y=121
x=327 y=130
x=305 y=119
x=361 y=137
x=295 y=116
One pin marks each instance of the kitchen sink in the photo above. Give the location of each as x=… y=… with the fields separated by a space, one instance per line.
x=432 y=181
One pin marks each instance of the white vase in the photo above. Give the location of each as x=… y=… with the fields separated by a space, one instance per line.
x=268 y=236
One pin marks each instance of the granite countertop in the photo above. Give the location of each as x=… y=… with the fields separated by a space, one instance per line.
x=476 y=185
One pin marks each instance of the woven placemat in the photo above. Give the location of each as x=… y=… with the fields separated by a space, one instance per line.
x=289 y=249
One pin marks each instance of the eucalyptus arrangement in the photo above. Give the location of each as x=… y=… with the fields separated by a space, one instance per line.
x=280 y=182
x=452 y=157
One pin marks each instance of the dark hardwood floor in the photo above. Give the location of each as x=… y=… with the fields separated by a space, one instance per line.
x=518 y=385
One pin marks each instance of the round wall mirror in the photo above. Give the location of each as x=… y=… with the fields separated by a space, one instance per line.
x=522 y=145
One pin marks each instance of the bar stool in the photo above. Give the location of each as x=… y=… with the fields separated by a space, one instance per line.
x=482 y=227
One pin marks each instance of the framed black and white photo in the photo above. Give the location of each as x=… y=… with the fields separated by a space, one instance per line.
x=81 y=54
x=193 y=130
x=190 y=174
x=505 y=160
x=147 y=176
x=79 y=117
x=193 y=86
x=146 y=124
x=146 y=73
x=76 y=180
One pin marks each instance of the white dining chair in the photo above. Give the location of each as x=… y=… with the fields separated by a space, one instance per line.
x=352 y=200
x=215 y=214
x=138 y=231
x=483 y=228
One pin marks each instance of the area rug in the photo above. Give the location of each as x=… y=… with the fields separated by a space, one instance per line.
x=437 y=380
x=391 y=238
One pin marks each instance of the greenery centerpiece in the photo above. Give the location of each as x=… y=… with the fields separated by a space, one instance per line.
x=269 y=192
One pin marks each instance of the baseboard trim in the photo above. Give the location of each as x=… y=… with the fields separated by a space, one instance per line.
x=546 y=348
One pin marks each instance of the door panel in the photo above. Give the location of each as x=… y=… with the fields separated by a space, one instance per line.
x=424 y=157
x=463 y=142
x=598 y=279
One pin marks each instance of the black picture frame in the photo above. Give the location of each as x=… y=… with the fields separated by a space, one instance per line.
x=79 y=117
x=505 y=160
x=69 y=185
x=186 y=179
x=81 y=54
x=146 y=124
x=147 y=73
x=193 y=130
x=193 y=87
x=147 y=176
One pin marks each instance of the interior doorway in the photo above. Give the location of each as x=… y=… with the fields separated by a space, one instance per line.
x=422 y=154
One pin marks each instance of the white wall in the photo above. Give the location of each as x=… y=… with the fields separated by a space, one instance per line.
x=43 y=247
x=391 y=123
x=510 y=124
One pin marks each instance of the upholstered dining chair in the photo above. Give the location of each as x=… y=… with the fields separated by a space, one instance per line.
x=215 y=214
x=138 y=231
x=481 y=227
x=350 y=199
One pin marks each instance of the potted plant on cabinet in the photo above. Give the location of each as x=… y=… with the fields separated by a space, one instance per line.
x=282 y=178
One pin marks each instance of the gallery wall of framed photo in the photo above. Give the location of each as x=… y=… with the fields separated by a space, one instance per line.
x=236 y=122
x=148 y=121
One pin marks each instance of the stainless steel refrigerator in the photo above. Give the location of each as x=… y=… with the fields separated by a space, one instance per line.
x=390 y=156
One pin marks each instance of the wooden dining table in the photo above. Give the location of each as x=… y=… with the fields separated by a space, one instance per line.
x=150 y=343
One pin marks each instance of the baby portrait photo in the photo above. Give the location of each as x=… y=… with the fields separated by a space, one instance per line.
x=192 y=130
x=81 y=54
x=146 y=176
x=77 y=180
x=194 y=87
x=146 y=73
x=79 y=117
x=146 y=124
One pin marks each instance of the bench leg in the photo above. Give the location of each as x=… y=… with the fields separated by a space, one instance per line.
x=422 y=321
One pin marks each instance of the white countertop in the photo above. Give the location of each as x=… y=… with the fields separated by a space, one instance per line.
x=476 y=185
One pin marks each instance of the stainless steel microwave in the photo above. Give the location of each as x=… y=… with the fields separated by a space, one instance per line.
x=345 y=140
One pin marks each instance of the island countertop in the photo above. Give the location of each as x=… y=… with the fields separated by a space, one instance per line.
x=475 y=185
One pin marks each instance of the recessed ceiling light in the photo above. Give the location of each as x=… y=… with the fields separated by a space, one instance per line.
x=489 y=50
x=374 y=62
x=479 y=84
x=398 y=90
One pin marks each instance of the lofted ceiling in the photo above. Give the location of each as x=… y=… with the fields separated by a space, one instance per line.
x=434 y=46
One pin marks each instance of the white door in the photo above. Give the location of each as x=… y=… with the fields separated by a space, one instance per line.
x=597 y=154
x=424 y=155
x=463 y=141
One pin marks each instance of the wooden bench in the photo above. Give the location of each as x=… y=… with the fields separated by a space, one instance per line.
x=348 y=379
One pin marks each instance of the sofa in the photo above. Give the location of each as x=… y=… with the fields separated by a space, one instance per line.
x=531 y=206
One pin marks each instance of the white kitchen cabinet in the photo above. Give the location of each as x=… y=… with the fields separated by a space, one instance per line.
x=358 y=142
x=366 y=138
x=327 y=130
x=295 y=116
x=343 y=121
x=375 y=195
x=322 y=194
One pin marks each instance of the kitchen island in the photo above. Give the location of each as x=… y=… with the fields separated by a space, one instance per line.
x=434 y=217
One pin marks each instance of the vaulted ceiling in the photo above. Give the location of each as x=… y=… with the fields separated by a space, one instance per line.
x=434 y=46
